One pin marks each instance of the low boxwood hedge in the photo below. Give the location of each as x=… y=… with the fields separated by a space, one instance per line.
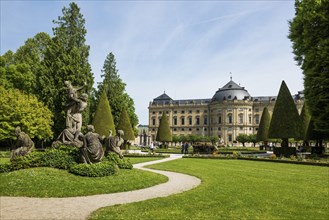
x=105 y=168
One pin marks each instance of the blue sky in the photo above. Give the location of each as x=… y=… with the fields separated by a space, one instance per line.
x=186 y=48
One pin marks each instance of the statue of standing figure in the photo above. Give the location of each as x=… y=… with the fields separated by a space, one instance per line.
x=23 y=146
x=74 y=108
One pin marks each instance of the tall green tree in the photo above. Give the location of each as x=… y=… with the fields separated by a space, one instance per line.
x=118 y=98
x=124 y=124
x=103 y=120
x=164 y=133
x=264 y=125
x=309 y=33
x=32 y=53
x=26 y=111
x=67 y=60
x=285 y=122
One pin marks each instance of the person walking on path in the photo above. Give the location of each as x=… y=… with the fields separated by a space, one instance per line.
x=152 y=147
x=186 y=148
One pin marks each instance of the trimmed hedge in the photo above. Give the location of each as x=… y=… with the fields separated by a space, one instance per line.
x=258 y=159
x=122 y=163
x=94 y=170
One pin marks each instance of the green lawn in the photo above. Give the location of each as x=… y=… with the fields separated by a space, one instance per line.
x=49 y=182
x=135 y=160
x=4 y=160
x=236 y=189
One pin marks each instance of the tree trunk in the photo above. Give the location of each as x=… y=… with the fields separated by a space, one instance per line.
x=285 y=142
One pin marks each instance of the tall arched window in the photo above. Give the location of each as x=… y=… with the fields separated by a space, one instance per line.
x=205 y=120
x=230 y=118
x=190 y=120
x=175 y=120
x=182 y=120
x=241 y=118
x=197 y=120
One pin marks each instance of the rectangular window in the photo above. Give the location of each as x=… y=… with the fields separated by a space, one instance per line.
x=198 y=121
x=205 y=120
x=229 y=137
x=190 y=111
x=153 y=121
x=190 y=121
x=183 y=121
x=219 y=119
x=175 y=121
x=183 y=112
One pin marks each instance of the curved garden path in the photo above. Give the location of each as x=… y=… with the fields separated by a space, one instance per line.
x=81 y=207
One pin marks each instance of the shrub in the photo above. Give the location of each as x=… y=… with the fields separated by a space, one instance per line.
x=122 y=163
x=23 y=162
x=6 y=167
x=105 y=168
x=62 y=158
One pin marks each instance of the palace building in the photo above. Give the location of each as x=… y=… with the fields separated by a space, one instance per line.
x=230 y=112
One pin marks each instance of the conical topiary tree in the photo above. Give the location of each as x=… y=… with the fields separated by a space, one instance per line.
x=103 y=119
x=164 y=134
x=264 y=125
x=125 y=125
x=285 y=122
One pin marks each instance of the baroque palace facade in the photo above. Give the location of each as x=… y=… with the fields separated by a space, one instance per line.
x=230 y=112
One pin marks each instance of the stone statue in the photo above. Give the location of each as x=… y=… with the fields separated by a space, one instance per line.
x=23 y=146
x=71 y=134
x=92 y=150
x=72 y=100
x=114 y=143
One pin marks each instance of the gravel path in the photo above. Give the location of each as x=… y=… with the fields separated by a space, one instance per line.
x=81 y=207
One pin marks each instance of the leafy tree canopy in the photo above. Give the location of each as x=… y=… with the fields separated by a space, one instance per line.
x=309 y=33
x=243 y=138
x=116 y=94
x=19 y=109
x=67 y=59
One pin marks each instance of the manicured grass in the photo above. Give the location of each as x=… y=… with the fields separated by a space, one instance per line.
x=135 y=160
x=235 y=189
x=49 y=182
x=4 y=160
